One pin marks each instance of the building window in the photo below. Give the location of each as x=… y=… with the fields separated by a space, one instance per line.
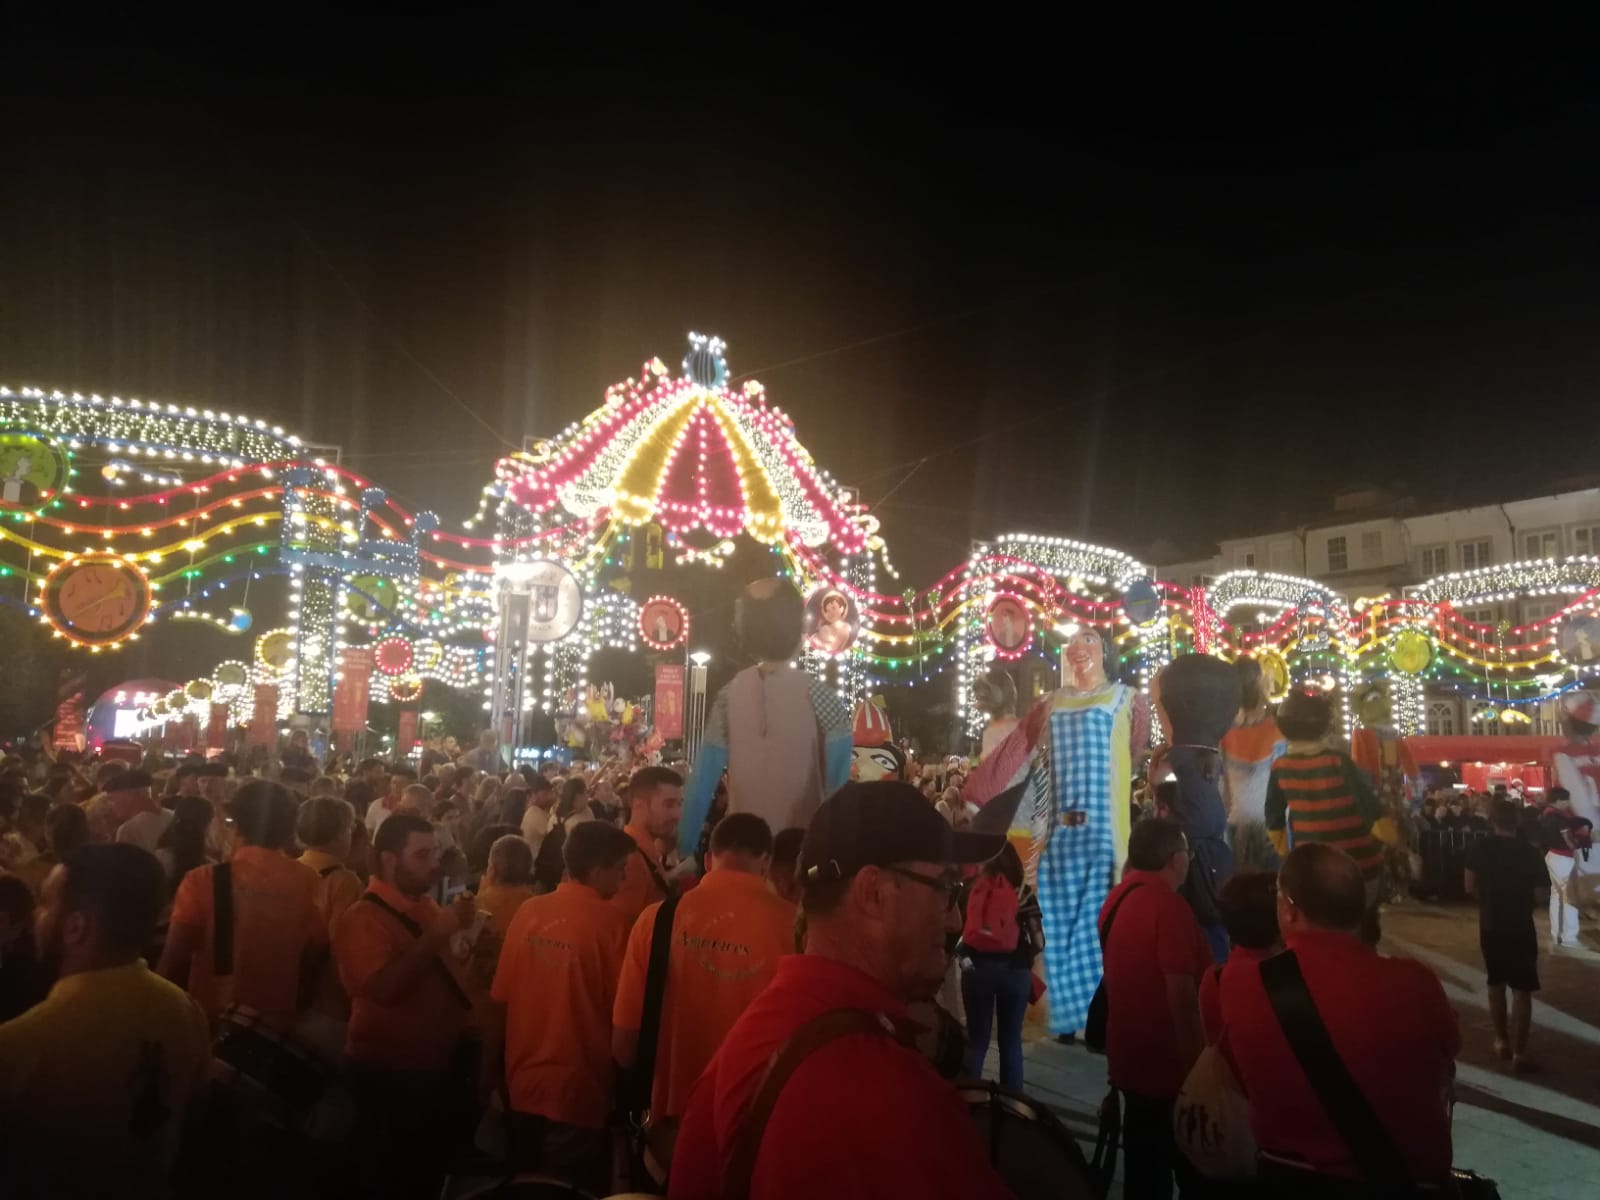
x=1338 y=555
x=1442 y=718
x=1483 y=616
x=1474 y=555
x=1586 y=539
x=1539 y=610
x=1484 y=724
x=1280 y=556
x=1372 y=548
x=1249 y=558
x=1541 y=543
x=1433 y=560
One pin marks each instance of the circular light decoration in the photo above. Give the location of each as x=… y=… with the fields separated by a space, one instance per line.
x=33 y=470
x=231 y=674
x=158 y=707
x=428 y=653
x=406 y=691
x=1008 y=626
x=240 y=620
x=177 y=701
x=1274 y=674
x=370 y=597
x=275 y=650
x=96 y=599
x=393 y=656
x=1410 y=652
x=1372 y=708
x=555 y=598
x=198 y=689
x=833 y=621
x=1142 y=603
x=663 y=623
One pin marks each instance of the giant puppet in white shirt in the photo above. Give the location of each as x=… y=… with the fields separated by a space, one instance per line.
x=1574 y=875
x=782 y=736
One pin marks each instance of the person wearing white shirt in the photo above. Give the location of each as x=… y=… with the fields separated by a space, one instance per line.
x=140 y=820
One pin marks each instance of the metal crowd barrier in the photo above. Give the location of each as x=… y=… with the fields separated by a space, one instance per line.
x=1444 y=857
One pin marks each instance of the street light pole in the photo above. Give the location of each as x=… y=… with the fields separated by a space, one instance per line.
x=695 y=725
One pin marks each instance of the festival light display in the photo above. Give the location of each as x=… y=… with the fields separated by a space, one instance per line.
x=115 y=513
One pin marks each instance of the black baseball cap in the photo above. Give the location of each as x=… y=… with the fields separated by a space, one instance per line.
x=126 y=781
x=882 y=822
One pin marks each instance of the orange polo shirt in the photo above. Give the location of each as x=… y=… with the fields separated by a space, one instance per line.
x=727 y=937
x=418 y=1031
x=275 y=917
x=501 y=903
x=557 y=978
x=341 y=887
x=639 y=888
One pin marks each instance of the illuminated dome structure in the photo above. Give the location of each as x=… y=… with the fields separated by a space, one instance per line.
x=701 y=459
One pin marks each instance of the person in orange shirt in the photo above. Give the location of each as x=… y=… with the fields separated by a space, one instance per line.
x=553 y=993
x=410 y=1060
x=506 y=884
x=271 y=953
x=727 y=936
x=324 y=827
x=655 y=800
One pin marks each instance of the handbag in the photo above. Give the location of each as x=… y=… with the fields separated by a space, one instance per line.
x=1094 y=1025
x=1211 y=1120
x=1383 y=1168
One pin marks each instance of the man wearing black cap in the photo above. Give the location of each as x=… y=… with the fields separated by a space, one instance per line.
x=847 y=1108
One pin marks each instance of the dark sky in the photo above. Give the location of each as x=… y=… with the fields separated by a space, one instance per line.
x=1124 y=294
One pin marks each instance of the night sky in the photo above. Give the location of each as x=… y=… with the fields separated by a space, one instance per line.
x=1142 y=295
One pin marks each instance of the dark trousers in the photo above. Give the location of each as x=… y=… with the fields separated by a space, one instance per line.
x=1150 y=1157
x=996 y=993
x=411 y=1126
x=570 y=1153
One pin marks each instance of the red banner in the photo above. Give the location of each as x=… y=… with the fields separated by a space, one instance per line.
x=669 y=700
x=217 y=727
x=69 y=724
x=353 y=690
x=408 y=732
x=264 y=720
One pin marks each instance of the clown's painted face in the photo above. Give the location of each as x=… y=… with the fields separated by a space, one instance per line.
x=877 y=762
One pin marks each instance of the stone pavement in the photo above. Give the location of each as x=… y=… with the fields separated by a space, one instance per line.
x=1538 y=1136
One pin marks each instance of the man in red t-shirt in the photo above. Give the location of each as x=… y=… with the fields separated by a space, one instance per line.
x=863 y=1116
x=1387 y=1018
x=1154 y=960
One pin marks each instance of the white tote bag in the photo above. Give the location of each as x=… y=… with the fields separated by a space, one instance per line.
x=1211 y=1121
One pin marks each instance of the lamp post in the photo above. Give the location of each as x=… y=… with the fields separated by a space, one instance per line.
x=695 y=725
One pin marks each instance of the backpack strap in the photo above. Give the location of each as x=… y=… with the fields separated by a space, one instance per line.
x=452 y=984
x=1370 y=1144
x=1105 y=930
x=805 y=1041
x=222 y=920
x=637 y=1088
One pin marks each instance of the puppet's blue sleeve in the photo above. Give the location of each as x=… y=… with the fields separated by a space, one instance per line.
x=838 y=742
x=709 y=764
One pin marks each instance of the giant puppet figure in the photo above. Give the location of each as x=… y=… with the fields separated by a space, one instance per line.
x=1197 y=698
x=782 y=736
x=1076 y=750
x=874 y=754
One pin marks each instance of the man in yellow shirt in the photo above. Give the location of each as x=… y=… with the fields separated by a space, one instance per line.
x=95 y=1081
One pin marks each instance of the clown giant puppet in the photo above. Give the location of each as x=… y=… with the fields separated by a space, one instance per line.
x=1077 y=749
x=782 y=736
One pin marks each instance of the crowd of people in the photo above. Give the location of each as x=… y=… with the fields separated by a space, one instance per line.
x=368 y=980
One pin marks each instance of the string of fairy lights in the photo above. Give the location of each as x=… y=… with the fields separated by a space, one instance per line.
x=692 y=464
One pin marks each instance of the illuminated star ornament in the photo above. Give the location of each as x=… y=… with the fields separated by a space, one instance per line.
x=693 y=454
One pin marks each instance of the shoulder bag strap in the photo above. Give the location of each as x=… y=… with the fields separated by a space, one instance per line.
x=816 y=1033
x=222 y=920
x=1105 y=930
x=445 y=974
x=641 y=1077
x=1363 y=1134
x=655 y=873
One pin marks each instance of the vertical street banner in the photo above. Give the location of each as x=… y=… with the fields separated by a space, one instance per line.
x=264 y=720
x=217 y=727
x=353 y=691
x=669 y=700
x=408 y=733
x=69 y=730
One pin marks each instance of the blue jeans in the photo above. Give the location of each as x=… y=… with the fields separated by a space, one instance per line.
x=991 y=988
